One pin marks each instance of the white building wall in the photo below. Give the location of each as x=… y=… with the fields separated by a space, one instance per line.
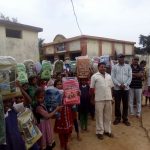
x=128 y=49
x=106 y=48
x=49 y=50
x=2 y=41
x=74 y=46
x=20 y=49
x=118 y=48
x=92 y=48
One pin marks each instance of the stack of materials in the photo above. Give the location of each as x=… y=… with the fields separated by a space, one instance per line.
x=58 y=67
x=7 y=75
x=29 y=131
x=46 y=70
x=71 y=91
x=30 y=68
x=21 y=72
x=83 y=67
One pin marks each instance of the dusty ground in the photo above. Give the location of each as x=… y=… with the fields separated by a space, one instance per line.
x=125 y=138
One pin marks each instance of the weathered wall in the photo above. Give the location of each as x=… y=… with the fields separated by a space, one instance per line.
x=128 y=49
x=20 y=49
x=118 y=48
x=74 y=45
x=2 y=41
x=92 y=48
x=106 y=48
x=49 y=50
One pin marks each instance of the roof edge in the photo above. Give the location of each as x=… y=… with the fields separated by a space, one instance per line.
x=89 y=37
x=19 y=26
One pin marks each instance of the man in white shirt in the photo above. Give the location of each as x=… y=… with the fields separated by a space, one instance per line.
x=121 y=74
x=101 y=85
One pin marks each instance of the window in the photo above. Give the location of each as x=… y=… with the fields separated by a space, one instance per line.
x=60 y=47
x=13 y=33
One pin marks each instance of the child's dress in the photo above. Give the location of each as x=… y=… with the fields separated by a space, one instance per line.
x=64 y=123
x=84 y=105
x=13 y=137
x=45 y=126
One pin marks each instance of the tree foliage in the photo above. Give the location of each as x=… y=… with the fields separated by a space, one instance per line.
x=40 y=44
x=145 y=42
x=3 y=17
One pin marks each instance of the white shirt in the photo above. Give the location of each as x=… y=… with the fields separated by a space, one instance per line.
x=121 y=74
x=102 y=86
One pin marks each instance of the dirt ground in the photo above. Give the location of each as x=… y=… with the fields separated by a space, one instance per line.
x=134 y=137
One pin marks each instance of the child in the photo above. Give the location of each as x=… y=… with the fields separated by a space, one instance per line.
x=43 y=119
x=84 y=104
x=63 y=125
x=14 y=139
x=75 y=121
x=32 y=88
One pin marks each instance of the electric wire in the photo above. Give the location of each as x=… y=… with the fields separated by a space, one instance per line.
x=76 y=17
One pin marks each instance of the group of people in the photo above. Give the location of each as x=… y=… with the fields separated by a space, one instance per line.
x=124 y=84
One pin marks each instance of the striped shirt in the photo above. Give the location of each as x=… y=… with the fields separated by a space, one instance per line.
x=121 y=74
x=136 y=82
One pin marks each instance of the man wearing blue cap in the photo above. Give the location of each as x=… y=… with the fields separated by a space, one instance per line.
x=121 y=75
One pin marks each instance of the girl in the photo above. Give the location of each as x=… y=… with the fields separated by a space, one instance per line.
x=63 y=125
x=14 y=139
x=32 y=88
x=84 y=104
x=43 y=120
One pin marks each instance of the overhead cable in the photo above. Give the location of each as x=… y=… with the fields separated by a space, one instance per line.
x=76 y=17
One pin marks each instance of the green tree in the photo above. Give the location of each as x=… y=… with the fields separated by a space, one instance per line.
x=145 y=42
x=40 y=43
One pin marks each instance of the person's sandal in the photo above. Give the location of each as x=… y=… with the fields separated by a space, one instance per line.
x=127 y=123
x=109 y=134
x=100 y=136
x=116 y=122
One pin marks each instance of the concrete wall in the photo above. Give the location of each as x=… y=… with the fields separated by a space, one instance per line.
x=118 y=48
x=49 y=50
x=92 y=48
x=20 y=49
x=106 y=48
x=74 y=45
x=128 y=49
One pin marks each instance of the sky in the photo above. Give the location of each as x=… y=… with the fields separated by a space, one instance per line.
x=117 y=19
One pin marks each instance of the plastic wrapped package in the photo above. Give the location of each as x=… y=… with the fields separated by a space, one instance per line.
x=30 y=68
x=71 y=89
x=83 y=67
x=21 y=73
x=7 y=75
x=29 y=131
x=46 y=70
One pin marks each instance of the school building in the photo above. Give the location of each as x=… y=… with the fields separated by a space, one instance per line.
x=86 y=45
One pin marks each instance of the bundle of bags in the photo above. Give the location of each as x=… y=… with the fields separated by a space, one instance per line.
x=7 y=74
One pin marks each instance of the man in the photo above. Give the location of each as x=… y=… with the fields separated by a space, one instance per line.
x=121 y=76
x=135 y=92
x=101 y=84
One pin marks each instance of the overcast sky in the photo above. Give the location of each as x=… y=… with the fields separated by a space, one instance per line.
x=118 y=19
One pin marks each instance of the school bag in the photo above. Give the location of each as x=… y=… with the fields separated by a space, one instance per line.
x=30 y=68
x=38 y=67
x=58 y=66
x=53 y=99
x=29 y=131
x=21 y=72
x=46 y=70
x=7 y=74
